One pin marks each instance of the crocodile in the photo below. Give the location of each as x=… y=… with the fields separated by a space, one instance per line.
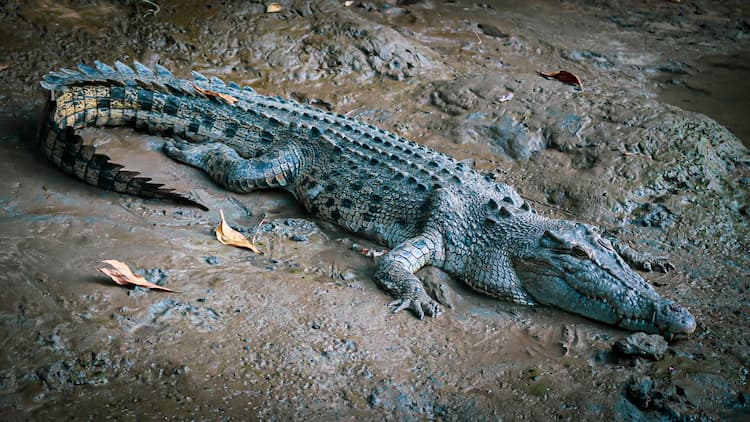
x=427 y=207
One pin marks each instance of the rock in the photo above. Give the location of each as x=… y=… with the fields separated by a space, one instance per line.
x=662 y=399
x=154 y=275
x=641 y=393
x=212 y=260
x=348 y=275
x=492 y=30
x=593 y=57
x=651 y=346
x=513 y=138
x=435 y=283
x=653 y=215
x=299 y=238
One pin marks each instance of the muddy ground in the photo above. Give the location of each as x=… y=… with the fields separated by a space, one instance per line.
x=303 y=332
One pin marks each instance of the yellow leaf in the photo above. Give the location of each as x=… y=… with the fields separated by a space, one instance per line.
x=120 y=273
x=226 y=97
x=232 y=237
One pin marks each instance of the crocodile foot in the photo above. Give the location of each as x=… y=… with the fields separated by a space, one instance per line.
x=185 y=152
x=657 y=263
x=420 y=304
x=643 y=261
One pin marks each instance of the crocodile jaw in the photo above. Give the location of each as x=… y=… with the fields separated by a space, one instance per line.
x=619 y=297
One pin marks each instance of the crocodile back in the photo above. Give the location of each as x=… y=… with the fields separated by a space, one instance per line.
x=357 y=175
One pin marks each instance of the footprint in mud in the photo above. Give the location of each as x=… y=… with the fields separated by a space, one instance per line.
x=166 y=313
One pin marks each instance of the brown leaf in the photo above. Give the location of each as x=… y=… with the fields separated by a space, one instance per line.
x=232 y=237
x=273 y=8
x=120 y=273
x=4 y=66
x=564 y=76
x=226 y=97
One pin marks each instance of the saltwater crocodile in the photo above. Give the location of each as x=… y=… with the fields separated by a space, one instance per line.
x=429 y=208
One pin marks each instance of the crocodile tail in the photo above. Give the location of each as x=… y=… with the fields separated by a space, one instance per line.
x=159 y=79
x=65 y=148
x=77 y=96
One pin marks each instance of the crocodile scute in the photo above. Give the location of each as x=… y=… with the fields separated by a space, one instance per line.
x=427 y=207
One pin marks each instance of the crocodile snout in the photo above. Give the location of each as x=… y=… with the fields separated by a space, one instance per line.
x=674 y=319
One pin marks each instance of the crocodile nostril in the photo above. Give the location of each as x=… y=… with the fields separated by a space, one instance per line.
x=686 y=322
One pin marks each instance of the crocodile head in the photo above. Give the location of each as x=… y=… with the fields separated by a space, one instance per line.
x=575 y=269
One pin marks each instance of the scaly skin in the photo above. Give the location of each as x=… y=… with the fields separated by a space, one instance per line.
x=429 y=208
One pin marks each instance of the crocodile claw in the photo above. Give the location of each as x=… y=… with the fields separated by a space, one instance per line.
x=642 y=260
x=659 y=264
x=419 y=307
x=173 y=149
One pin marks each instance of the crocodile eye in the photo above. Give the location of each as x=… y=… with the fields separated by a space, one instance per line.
x=579 y=252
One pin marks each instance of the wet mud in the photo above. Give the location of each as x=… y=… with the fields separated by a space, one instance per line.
x=302 y=332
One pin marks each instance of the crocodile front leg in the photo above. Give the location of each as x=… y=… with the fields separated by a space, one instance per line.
x=641 y=260
x=277 y=168
x=395 y=273
x=492 y=273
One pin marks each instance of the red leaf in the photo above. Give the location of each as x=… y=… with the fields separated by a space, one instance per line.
x=563 y=76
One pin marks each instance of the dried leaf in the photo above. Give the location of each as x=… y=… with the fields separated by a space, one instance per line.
x=370 y=253
x=4 y=66
x=232 y=237
x=120 y=273
x=226 y=97
x=273 y=8
x=564 y=76
x=348 y=3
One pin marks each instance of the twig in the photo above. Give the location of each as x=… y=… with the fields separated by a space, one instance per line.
x=155 y=7
x=257 y=229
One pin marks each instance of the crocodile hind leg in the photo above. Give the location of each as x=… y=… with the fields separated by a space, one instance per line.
x=395 y=273
x=274 y=169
